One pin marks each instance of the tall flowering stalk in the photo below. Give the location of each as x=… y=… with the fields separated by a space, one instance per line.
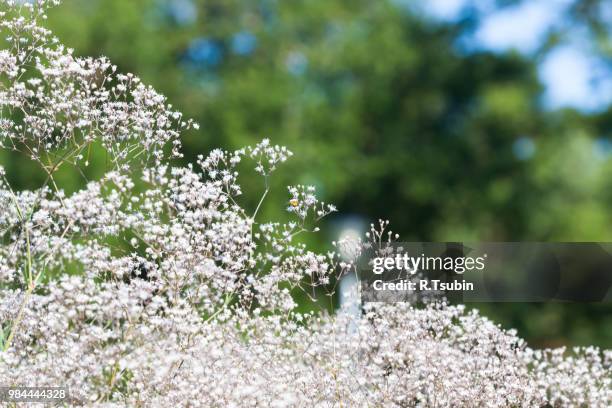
x=154 y=286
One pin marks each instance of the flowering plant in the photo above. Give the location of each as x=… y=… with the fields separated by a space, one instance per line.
x=154 y=286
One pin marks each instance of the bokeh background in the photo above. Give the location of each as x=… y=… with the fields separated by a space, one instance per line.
x=457 y=120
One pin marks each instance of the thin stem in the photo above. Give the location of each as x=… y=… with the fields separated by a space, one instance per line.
x=263 y=197
x=17 y=321
x=228 y=298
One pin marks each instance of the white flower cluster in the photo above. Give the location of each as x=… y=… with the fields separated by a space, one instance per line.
x=153 y=286
x=57 y=106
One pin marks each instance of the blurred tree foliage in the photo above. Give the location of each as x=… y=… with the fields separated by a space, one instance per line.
x=387 y=115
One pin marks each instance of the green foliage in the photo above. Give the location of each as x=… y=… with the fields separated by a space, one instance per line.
x=388 y=118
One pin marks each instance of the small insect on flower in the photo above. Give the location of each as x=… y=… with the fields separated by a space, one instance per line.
x=294 y=202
